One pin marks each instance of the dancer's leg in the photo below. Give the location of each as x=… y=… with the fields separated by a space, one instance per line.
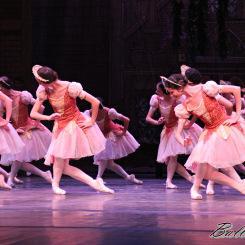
x=78 y=174
x=28 y=167
x=116 y=168
x=4 y=173
x=58 y=169
x=6 y=176
x=3 y=184
x=14 y=170
x=216 y=176
x=185 y=174
x=171 y=168
x=101 y=168
x=210 y=188
x=231 y=172
x=200 y=173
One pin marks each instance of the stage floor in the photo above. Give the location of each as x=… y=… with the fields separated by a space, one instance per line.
x=147 y=214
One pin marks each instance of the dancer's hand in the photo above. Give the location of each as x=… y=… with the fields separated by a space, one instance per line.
x=20 y=131
x=54 y=116
x=187 y=141
x=119 y=133
x=86 y=124
x=160 y=120
x=230 y=121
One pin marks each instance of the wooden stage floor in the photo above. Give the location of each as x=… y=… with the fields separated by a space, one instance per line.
x=147 y=214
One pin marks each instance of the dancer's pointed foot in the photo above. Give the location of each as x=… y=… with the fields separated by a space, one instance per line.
x=10 y=183
x=210 y=189
x=18 y=181
x=48 y=176
x=170 y=185
x=104 y=182
x=99 y=186
x=195 y=195
x=134 y=180
x=3 y=184
x=57 y=190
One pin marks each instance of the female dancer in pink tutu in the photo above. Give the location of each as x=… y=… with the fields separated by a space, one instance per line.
x=74 y=135
x=119 y=142
x=229 y=103
x=34 y=135
x=222 y=143
x=9 y=138
x=240 y=167
x=169 y=148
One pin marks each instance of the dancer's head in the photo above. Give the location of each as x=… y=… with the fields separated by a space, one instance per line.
x=161 y=90
x=193 y=76
x=44 y=75
x=175 y=85
x=5 y=83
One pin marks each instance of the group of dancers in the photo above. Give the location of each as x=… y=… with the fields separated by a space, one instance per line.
x=180 y=99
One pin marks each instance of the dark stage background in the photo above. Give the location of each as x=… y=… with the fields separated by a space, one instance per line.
x=118 y=48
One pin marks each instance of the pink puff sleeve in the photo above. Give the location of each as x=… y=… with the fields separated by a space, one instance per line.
x=211 y=88
x=113 y=114
x=181 y=112
x=27 y=98
x=76 y=90
x=154 y=101
x=41 y=93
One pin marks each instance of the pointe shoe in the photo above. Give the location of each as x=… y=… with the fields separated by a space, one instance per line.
x=57 y=190
x=10 y=183
x=48 y=177
x=104 y=182
x=18 y=181
x=3 y=184
x=101 y=187
x=195 y=195
x=170 y=185
x=133 y=179
x=210 y=190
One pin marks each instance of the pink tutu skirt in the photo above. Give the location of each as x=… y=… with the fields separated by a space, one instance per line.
x=170 y=147
x=72 y=142
x=221 y=148
x=117 y=147
x=36 y=143
x=10 y=142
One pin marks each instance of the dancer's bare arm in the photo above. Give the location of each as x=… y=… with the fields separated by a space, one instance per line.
x=35 y=112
